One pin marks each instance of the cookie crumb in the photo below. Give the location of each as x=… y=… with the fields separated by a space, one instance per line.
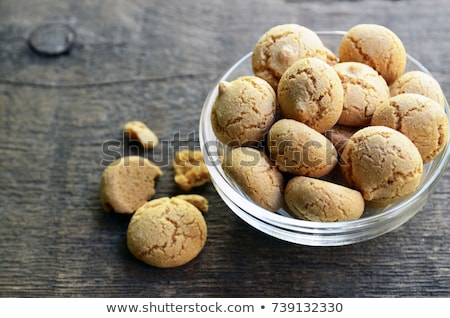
x=138 y=130
x=190 y=169
x=200 y=202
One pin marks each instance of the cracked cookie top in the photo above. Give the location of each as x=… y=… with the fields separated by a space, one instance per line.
x=243 y=111
x=311 y=92
x=376 y=46
x=382 y=163
x=281 y=46
x=166 y=232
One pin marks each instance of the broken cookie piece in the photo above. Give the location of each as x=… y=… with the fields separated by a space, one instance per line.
x=138 y=130
x=200 y=202
x=127 y=183
x=311 y=92
x=190 y=169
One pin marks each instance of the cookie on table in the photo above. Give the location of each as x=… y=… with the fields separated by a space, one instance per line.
x=127 y=183
x=190 y=169
x=140 y=131
x=166 y=232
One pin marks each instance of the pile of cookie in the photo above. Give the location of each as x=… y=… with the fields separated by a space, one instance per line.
x=307 y=117
x=163 y=232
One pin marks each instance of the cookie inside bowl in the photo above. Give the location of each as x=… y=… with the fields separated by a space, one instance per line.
x=373 y=222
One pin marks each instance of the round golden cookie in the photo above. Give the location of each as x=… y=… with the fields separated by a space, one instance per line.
x=256 y=175
x=418 y=117
x=243 y=111
x=376 y=46
x=364 y=91
x=281 y=46
x=127 y=183
x=166 y=232
x=310 y=91
x=382 y=163
x=322 y=201
x=419 y=83
x=300 y=150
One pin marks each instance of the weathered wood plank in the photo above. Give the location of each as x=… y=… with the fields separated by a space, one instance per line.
x=156 y=61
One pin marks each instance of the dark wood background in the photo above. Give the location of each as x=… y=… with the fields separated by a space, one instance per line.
x=62 y=117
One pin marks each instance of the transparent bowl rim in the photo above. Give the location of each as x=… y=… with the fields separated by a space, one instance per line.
x=398 y=210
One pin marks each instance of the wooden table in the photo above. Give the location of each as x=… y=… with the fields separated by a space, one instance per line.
x=62 y=116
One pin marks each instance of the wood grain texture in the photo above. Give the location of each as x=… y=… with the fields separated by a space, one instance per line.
x=61 y=118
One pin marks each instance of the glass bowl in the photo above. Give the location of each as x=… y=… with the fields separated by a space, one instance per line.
x=280 y=224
